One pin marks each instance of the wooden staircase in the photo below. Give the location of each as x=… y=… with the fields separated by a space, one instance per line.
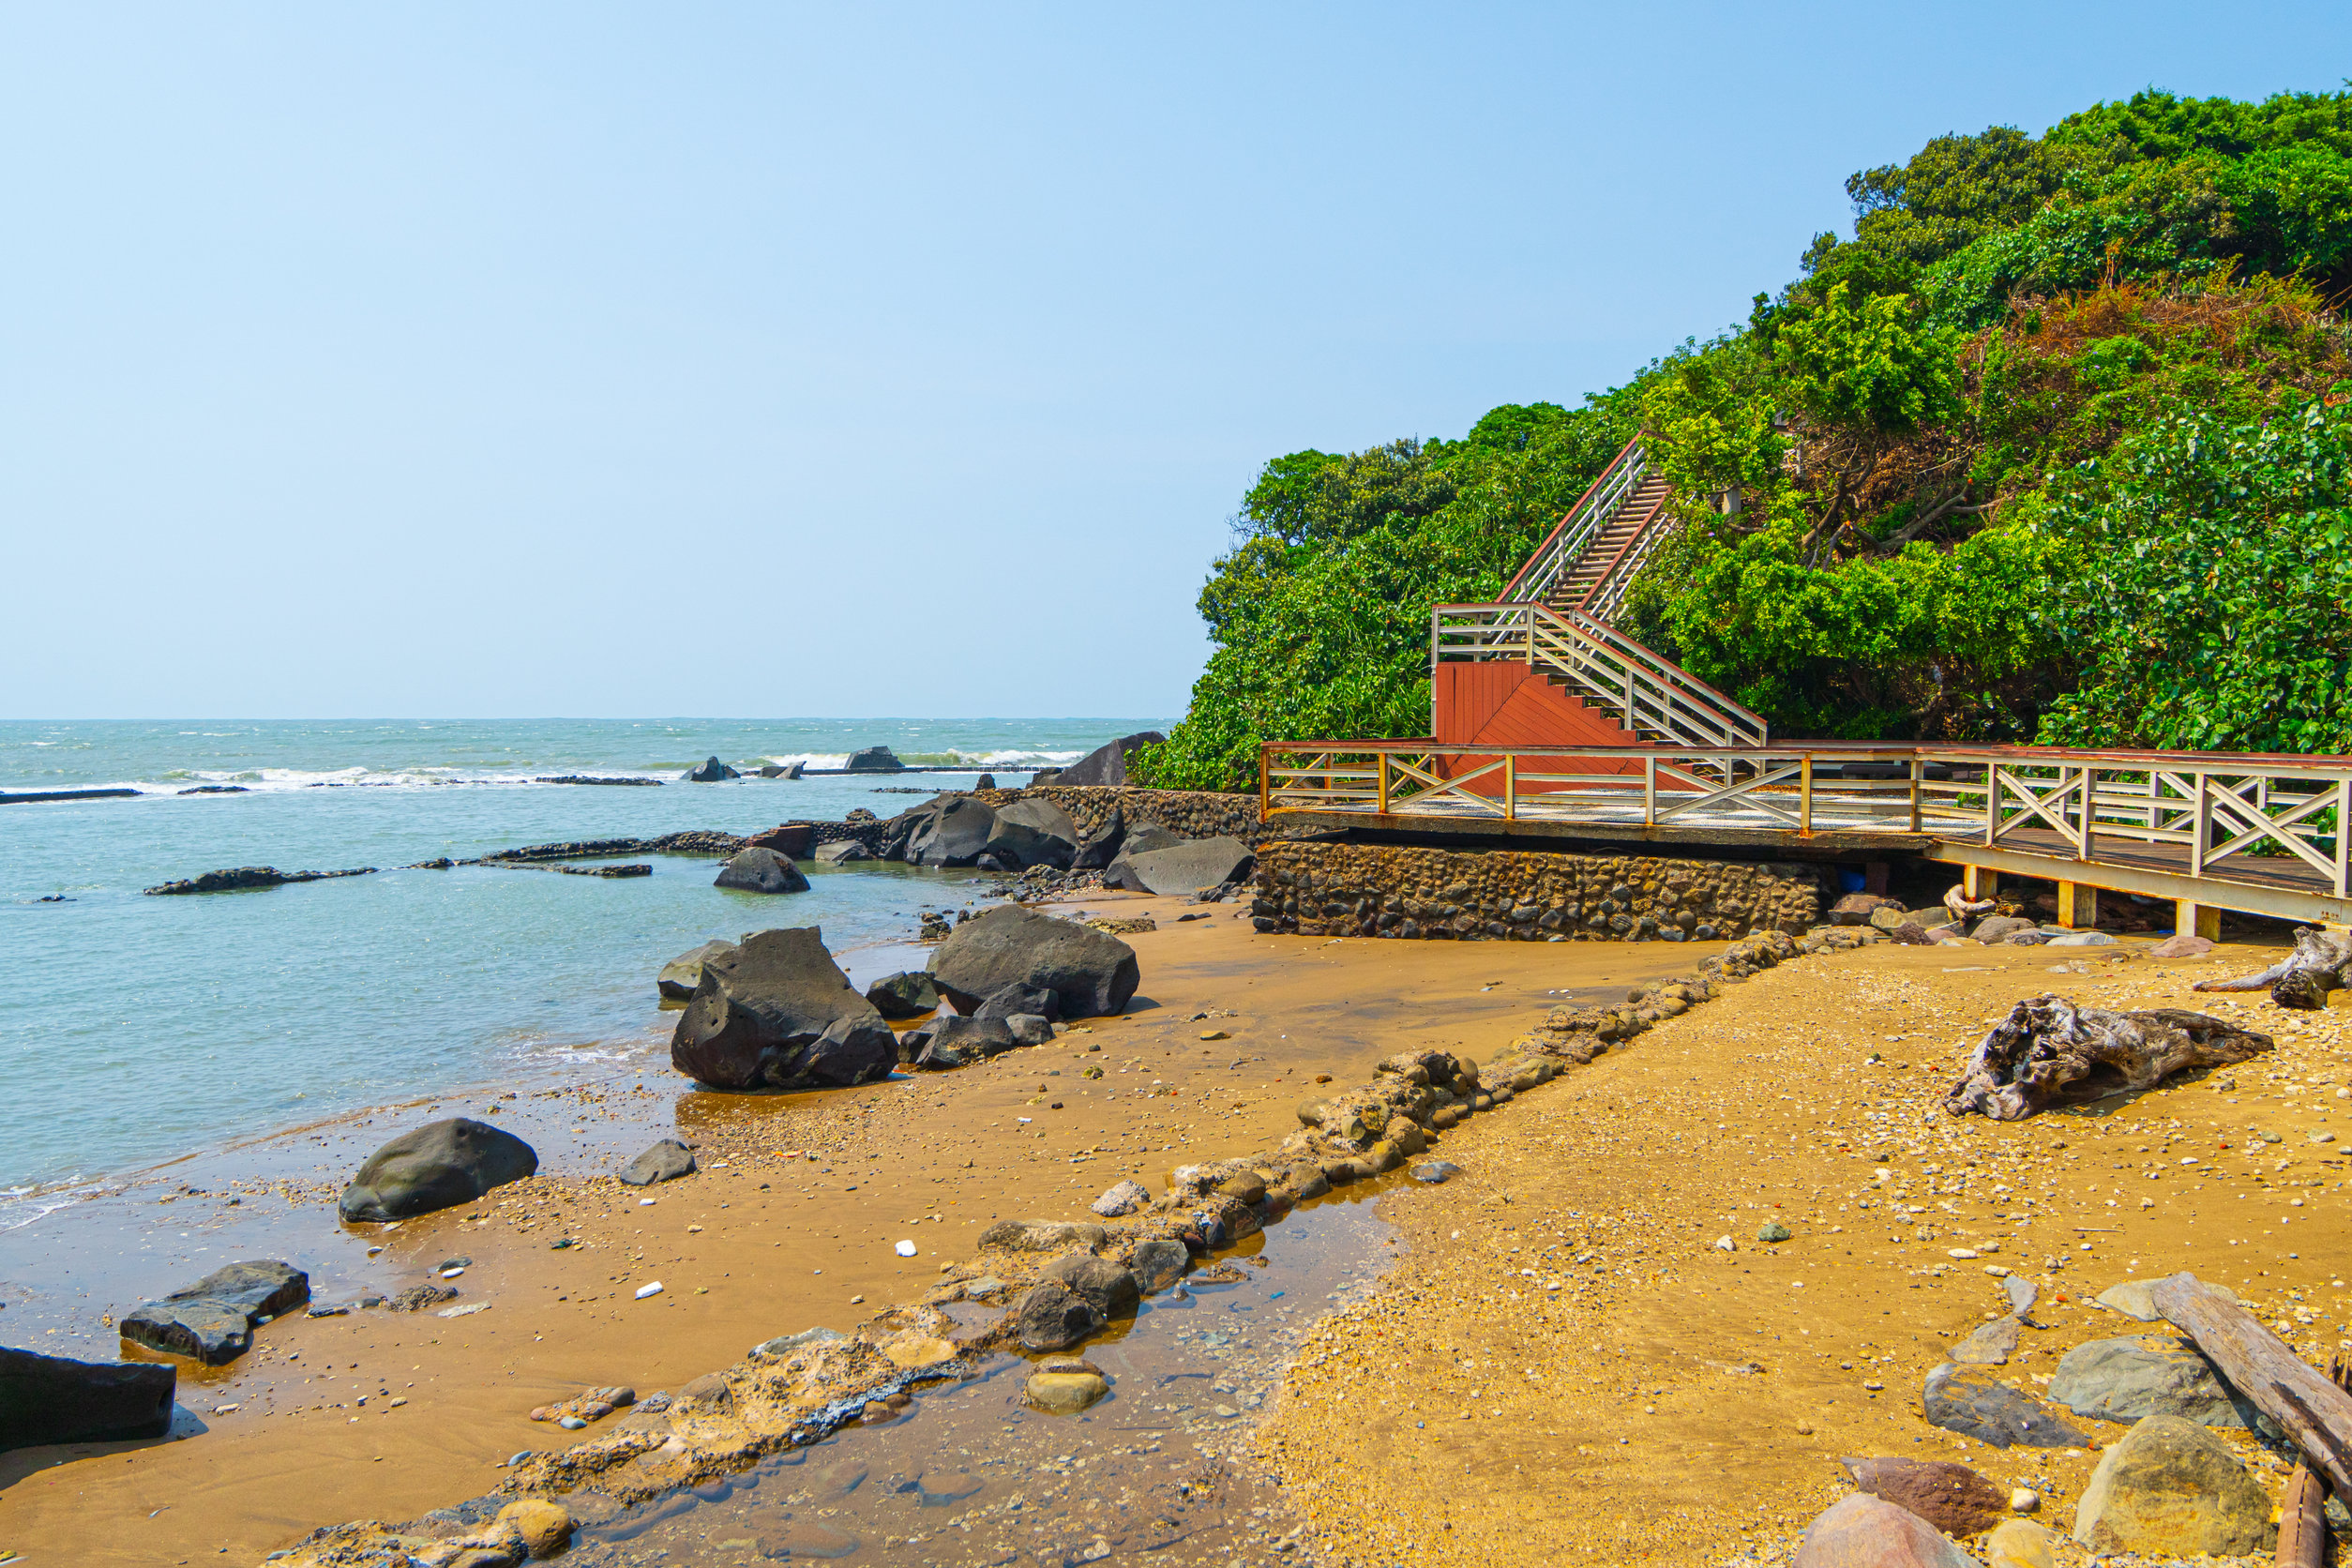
x=1623 y=541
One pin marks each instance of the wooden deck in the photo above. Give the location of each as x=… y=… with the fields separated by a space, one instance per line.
x=2258 y=833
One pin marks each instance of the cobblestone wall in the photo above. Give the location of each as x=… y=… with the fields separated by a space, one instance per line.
x=1318 y=889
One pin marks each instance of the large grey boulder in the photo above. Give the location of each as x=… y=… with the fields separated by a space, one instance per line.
x=1111 y=1286
x=874 y=758
x=779 y=1013
x=760 y=871
x=2145 y=1375
x=954 y=830
x=843 y=851
x=1186 y=867
x=1089 y=972
x=1150 y=837
x=1034 y=833
x=437 y=1165
x=709 y=773
x=48 y=1399
x=664 y=1161
x=681 y=974
x=2171 y=1488
x=1016 y=999
x=1096 y=851
x=908 y=994
x=1107 y=765
x=212 y=1321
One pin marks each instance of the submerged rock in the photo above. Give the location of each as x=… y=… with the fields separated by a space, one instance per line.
x=777 y=1012
x=212 y=1321
x=1159 y=1262
x=1065 y=1392
x=760 y=871
x=1053 y=1316
x=437 y=1165
x=664 y=1161
x=47 y=1399
x=710 y=772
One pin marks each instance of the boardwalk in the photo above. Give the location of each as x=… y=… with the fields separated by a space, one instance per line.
x=2208 y=830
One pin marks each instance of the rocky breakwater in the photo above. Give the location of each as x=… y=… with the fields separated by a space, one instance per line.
x=776 y=1012
x=1323 y=889
x=241 y=877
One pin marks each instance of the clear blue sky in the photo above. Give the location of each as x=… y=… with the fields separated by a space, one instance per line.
x=576 y=359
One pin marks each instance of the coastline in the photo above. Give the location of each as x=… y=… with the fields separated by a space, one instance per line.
x=286 y=1459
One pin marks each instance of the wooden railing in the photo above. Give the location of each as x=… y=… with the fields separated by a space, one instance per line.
x=1649 y=696
x=1606 y=595
x=1576 y=530
x=2266 y=813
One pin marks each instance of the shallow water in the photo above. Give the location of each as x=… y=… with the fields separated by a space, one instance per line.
x=971 y=1476
x=137 y=1030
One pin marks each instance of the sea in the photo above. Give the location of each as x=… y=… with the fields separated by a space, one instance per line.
x=136 y=1031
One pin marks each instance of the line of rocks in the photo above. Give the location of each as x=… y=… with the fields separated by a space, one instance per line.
x=240 y=878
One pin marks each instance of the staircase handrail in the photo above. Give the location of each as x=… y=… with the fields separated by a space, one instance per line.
x=1577 y=526
x=1603 y=664
x=1606 y=595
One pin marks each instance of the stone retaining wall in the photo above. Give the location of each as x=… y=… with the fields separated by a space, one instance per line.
x=1320 y=889
x=1191 y=813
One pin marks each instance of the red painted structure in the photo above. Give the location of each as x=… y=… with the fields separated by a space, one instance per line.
x=1506 y=703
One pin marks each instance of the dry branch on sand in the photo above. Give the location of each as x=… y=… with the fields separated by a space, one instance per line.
x=2048 y=1051
x=2321 y=962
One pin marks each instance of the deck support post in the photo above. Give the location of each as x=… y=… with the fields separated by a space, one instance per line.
x=1978 y=882
x=2078 y=906
x=1804 y=795
x=2192 y=919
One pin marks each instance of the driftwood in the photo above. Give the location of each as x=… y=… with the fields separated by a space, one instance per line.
x=2321 y=962
x=2302 y=1508
x=2048 y=1051
x=2311 y=1410
x=1964 y=910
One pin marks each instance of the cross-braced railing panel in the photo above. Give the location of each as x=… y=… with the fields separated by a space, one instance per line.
x=2219 y=808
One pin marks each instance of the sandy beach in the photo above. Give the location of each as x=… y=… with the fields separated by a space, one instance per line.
x=765 y=1241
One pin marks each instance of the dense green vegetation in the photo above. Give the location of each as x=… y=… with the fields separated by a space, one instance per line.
x=2044 y=449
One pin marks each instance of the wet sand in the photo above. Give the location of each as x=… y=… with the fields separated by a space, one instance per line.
x=1673 y=1403
x=766 y=1239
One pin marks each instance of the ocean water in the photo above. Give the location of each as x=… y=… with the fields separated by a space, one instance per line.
x=136 y=1030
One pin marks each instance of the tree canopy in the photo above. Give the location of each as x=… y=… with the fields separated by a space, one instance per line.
x=2052 y=446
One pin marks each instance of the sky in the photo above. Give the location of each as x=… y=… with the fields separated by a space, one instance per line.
x=762 y=360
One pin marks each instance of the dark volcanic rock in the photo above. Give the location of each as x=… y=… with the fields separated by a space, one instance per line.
x=1034 y=833
x=778 y=1012
x=1017 y=999
x=212 y=1321
x=238 y=879
x=952 y=830
x=843 y=851
x=586 y=778
x=1150 y=837
x=793 y=840
x=874 y=758
x=1089 y=972
x=908 y=994
x=437 y=1165
x=223 y=789
x=1053 y=1316
x=709 y=773
x=46 y=1400
x=1096 y=853
x=1186 y=867
x=760 y=871
x=1107 y=765
x=986 y=781
x=664 y=1161
x=1110 y=1286
x=681 y=974
x=1968 y=1401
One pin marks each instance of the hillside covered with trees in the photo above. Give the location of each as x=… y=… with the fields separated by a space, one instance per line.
x=2055 y=446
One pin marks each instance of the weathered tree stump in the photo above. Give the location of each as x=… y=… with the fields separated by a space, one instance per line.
x=2048 y=1052
x=2321 y=962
